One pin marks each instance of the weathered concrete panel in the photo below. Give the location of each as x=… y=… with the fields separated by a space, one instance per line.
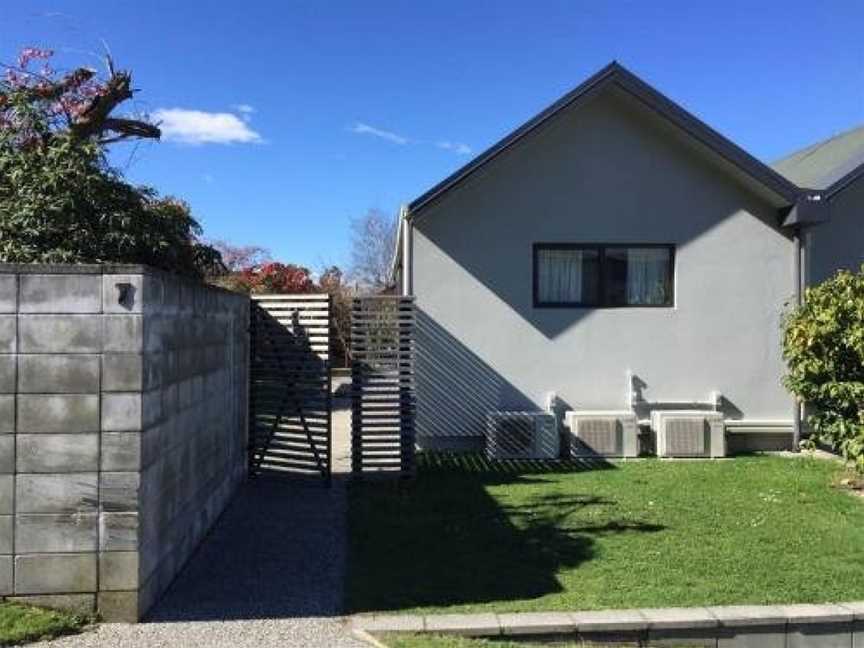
x=51 y=453
x=7 y=414
x=5 y=575
x=118 y=532
x=59 y=493
x=7 y=493
x=118 y=570
x=119 y=491
x=8 y=333
x=121 y=451
x=8 y=293
x=121 y=412
x=60 y=334
x=122 y=372
x=122 y=293
x=8 y=372
x=60 y=294
x=58 y=374
x=123 y=333
x=56 y=533
x=119 y=607
x=7 y=533
x=7 y=454
x=66 y=413
x=75 y=603
x=55 y=574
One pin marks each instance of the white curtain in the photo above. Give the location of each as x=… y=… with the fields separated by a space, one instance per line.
x=559 y=276
x=647 y=271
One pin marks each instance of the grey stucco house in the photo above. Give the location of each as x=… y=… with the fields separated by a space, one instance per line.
x=620 y=253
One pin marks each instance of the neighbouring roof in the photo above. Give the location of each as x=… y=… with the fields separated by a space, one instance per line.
x=829 y=165
x=616 y=74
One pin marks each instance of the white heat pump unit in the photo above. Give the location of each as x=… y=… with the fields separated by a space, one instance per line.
x=521 y=435
x=603 y=434
x=689 y=433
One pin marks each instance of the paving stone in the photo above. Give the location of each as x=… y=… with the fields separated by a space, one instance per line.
x=66 y=413
x=536 y=623
x=676 y=618
x=123 y=333
x=7 y=493
x=121 y=412
x=75 y=603
x=58 y=374
x=610 y=621
x=60 y=294
x=118 y=570
x=471 y=625
x=8 y=293
x=8 y=333
x=7 y=534
x=60 y=333
x=7 y=454
x=52 y=453
x=56 y=533
x=57 y=493
x=122 y=372
x=118 y=607
x=389 y=623
x=7 y=414
x=122 y=293
x=118 y=531
x=55 y=573
x=8 y=372
x=5 y=575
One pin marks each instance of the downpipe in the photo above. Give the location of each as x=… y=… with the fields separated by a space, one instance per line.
x=798 y=274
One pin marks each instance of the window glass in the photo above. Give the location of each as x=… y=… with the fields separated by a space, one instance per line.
x=638 y=276
x=568 y=276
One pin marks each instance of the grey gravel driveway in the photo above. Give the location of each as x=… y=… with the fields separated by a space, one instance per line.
x=269 y=574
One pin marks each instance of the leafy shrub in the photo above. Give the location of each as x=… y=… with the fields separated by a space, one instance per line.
x=823 y=344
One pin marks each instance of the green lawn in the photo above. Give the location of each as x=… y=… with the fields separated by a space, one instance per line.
x=470 y=536
x=439 y=641
x=19 y=624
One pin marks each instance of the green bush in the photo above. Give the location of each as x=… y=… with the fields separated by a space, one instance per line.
x=823 y=343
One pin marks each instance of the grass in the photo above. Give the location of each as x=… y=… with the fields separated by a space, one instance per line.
x=19 y=624
x=468 y=536
x=441 y=641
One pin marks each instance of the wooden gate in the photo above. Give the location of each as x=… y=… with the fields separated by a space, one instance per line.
x=382 y=380
x=289 y=399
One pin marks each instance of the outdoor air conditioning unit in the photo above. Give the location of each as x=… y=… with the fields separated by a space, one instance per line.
x=689 y=433
x=521 y=435
x=603 y=434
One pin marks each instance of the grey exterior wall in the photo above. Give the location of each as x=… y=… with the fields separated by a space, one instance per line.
x=839 y=243
x=604 y=173
x=122 y=430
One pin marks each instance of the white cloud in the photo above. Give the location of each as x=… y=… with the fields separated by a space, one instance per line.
x=365 y=129
x=209 y=179
x=199 y=127
x=246 y=109
x=456 y=147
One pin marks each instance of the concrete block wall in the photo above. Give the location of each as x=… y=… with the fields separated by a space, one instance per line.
x=122 y=430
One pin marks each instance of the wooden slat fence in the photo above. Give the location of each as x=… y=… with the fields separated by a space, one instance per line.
x=289 y=400
x=382 y=377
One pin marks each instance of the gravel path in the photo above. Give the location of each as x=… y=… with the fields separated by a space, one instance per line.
x=270 y=574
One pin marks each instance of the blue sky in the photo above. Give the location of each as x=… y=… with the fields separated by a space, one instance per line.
x=333 y=108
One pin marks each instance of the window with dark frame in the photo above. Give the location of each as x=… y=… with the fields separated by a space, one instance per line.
x=603 y=275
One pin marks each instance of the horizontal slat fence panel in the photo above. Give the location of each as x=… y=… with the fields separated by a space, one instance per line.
x=290 y=420
x=382 y=377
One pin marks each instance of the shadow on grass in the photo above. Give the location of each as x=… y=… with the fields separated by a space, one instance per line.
x=443 y=539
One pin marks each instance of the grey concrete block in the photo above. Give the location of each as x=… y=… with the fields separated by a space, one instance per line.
x=7 y=534
x=118 y=607
x=118 y=532
x=689 y=637
x=119 y=491
x=60 y=294
x=56 y=533
x=8 y=333
x=858 y=634
x=857 y=609
x=7 y=414
x=8 y=293
x=7 y=494
x=121 y=451
x=55 y=573
x=752 y=637
x=118 y=570
x=836 y=634
x=121 y=412
x=122 y=293
x=736 y=616
x=389 y=623
x=610 y=621
x=6 y=585
x=816 y=613
x=60 y=333
x=7 y=454
x=58 y=374
x=471 y=625
x=52 y=453
x=82 y=604
x=59 y=493
x=677 y=618
x=123 y=333
x=122 y=372
x=537 y=623
x=59 y=413
x=8 y=373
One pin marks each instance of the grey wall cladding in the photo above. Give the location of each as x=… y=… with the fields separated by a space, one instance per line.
x=122 y=430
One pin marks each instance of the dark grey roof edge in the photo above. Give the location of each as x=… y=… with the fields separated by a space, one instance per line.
x=615 y=72
x=847 y=180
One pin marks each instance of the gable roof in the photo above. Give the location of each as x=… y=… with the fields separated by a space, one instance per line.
x=616 y=74
x=830 y=165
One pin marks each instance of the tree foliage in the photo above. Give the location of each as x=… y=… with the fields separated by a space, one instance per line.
x=60 y=199
x=823 y=344
x=270 y=277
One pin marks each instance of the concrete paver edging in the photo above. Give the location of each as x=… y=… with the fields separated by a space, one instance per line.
x=835 y=619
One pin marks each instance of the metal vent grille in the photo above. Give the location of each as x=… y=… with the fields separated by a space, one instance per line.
x=601 y=436
x=688 y=437
x=521 y=435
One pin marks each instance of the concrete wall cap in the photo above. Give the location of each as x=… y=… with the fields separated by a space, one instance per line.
x=464 y=624
x=523 y=623
x=389 y=623
x=674 y=618
x=610 y=621
x=731 y=616
x=811 y=613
